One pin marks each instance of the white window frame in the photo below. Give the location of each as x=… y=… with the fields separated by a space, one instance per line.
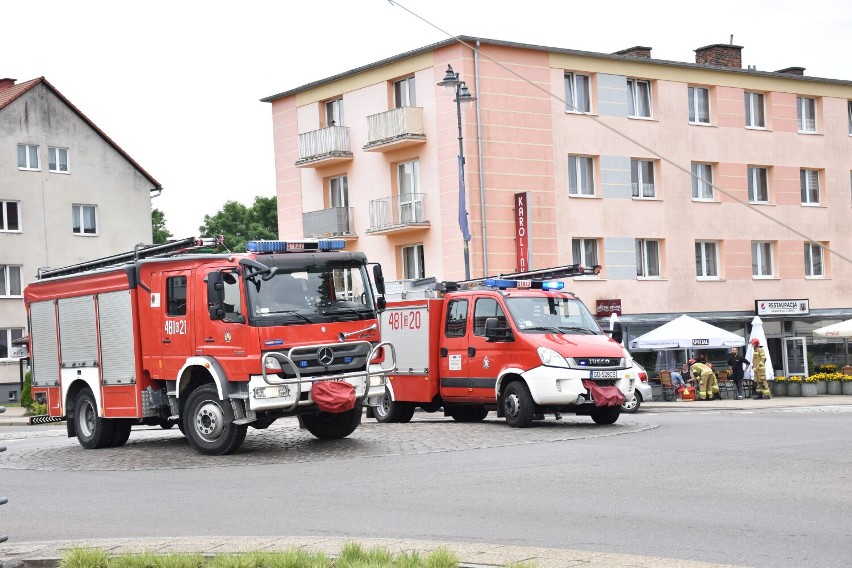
x=30 y=151
x=755 y=110
x=759 y=251
x=707 y=268
x=413 y=262
x=638 y=183
x=814 y=260
x=334 y=112
x=54 y=154
x=572 y=105
x=645 y=250
x=806 y=111
x=338 y=191
x=700 y=184
x=580 y=169
x=809 y=186
x=78 y=214
x=410 y=202
x=634 y=97
x=694 y=99
x=755 y=183
x=10 y=337
x=4 y=216
x=404 y=93
x=584 y=251
x=10 y=274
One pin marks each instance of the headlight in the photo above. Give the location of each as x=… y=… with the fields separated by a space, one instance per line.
x=551 y=358
x=272 y=364
x=275 y=391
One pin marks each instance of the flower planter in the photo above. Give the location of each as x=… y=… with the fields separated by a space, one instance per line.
x=834 y=387
x=809 y=389
x=794 y=389
x=778 y=388
x=822 y=387
x=846 y=387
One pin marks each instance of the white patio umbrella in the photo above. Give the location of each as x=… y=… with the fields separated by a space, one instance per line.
x=842 y=329
x=686 y=332
x=757 y=332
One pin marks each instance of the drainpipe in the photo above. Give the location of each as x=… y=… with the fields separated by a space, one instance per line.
x=479 y=159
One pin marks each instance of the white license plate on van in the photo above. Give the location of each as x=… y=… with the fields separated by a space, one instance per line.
x=604 y=375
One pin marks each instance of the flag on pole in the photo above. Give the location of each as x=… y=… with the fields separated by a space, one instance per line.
x=465 y=229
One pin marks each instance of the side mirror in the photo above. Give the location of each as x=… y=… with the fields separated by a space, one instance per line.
x=617 y=332
x=215 y=296
x=496 y=332
x=381 y=303
x=379 y=278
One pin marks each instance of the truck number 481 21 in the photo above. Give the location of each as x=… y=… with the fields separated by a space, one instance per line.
x=175 y=327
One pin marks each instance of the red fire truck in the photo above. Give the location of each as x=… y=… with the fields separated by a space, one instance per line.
x=515 y=344
x=211 y=342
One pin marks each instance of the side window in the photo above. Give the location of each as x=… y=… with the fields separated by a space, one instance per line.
x=176 y=293
x=233 y=305
x=456 y=318
x=486 y=308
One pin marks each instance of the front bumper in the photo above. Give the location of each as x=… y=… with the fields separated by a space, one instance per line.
x=553 y=386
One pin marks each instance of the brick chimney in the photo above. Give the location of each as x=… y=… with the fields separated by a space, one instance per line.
x=792 y=70
x=636 y=51
x=6 y=83
x=720 y=55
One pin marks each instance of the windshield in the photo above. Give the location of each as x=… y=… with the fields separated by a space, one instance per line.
x=316 y=294
x=541 y=314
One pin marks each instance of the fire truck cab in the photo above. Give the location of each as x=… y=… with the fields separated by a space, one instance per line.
x=520 y=347
x=211 y=342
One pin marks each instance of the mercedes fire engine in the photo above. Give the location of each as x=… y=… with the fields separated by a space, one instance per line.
x=516 y=344
x=211 y=342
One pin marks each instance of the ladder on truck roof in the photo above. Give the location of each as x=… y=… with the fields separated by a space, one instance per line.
x=138 y=253
x=552 y=273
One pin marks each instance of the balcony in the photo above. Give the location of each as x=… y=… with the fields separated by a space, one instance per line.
x=395 y=129
x=332 y=222
x=324 y=147
x=398 y=213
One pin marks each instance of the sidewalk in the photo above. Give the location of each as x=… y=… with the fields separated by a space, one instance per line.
x=749 y=403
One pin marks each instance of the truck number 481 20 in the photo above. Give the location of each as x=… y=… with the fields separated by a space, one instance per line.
x=175 y=327
x=404 y=320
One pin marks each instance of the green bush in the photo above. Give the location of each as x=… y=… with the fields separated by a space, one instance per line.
x=27 y=391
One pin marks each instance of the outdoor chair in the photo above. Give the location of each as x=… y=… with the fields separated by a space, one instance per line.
x=726 y=385
x=669 y=390
x=847 y=370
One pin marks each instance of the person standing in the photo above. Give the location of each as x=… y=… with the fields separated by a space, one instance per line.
x=738 y=365
x=758 y=365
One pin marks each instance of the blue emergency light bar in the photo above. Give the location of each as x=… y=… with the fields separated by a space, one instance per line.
x=504 y=284
x=263 y=247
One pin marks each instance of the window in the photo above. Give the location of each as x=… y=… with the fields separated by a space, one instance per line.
x=410 y=198
x=754 y=117
x=581 y=180
x=647 y=258
x=10 y=215
x=809 y=181
x=84 y=219
x=27 y=157
x=57 y=159
x=456 y=318
x=806 y=113
x=7 y=336
x=758 y=186
x=338 y=191
x=638 y=98
x=334 y=112
x=577 y=98
x=642 y=179
x=176 y=296
x=403 y=93
x=10 y=280
x=702 y=181
x=412 y=263
x=483 y=309
x=761 y=259
x=706 y=260
x=813 y=261
x=585 y=251
x=13 y=396
x=699 y=105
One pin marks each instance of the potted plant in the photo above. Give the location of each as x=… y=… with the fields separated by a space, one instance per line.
x=779 y=386
x=832 y=383
x=794 y=385
x=809 y=385
x=846 y=384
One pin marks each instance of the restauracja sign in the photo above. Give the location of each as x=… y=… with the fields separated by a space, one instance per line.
x=781 y=307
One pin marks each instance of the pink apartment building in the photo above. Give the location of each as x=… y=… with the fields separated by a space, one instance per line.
x=703 y=188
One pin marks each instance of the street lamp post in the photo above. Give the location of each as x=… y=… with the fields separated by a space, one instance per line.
x=463 y=95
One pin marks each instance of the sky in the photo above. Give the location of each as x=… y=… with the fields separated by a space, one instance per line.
x=177 y=83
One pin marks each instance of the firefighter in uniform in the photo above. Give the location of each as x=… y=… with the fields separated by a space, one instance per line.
x=758 y=363
x=707 y=388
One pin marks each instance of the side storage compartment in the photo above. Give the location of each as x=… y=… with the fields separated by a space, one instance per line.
x=406 y=324
x=44 y=357
x=118 y=355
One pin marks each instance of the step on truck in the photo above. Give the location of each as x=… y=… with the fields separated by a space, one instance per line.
x=517 y=344
x=211 y=342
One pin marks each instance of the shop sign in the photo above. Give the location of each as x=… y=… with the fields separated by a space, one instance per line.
x=781 y=307
x=606 y=308
x=522 y=231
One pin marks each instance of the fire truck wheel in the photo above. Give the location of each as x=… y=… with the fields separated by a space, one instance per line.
x=330 y=426
x=406 y=412
x=518 y=405
x=606 y=414
x=389 y=411
x=92 y=430
x=209 y=423
x=469 y=413
x=120 y=432
x=166 y=424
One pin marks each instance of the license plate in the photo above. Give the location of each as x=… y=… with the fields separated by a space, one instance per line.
x=604 y=375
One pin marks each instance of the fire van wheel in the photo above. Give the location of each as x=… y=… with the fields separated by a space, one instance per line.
x=120 y=432
x=469 y=413
x=333 y=426
x=606 y=414
x=208 y=423
x=388 y=410
x=92 y=430
x=406 y=412
x=518 y=405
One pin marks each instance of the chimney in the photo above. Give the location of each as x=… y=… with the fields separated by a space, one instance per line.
x=636 y=51
x=720 y=55
x=6 y=83
x=792 y=71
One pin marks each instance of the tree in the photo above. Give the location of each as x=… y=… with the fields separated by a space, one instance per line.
x=158 y=224
x=238 y=223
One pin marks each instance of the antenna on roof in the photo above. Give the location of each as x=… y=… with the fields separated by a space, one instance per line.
x=732 y=39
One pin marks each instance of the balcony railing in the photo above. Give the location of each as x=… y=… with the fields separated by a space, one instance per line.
x=332 y=222
x=324 y=146
x=398 y=213
x=394 y=129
